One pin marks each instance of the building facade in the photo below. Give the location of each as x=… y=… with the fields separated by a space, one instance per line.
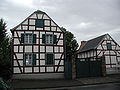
x=38 y=46
x=102 y=46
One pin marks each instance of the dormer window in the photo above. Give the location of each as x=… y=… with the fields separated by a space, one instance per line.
x=109 y=47
x=39 y=23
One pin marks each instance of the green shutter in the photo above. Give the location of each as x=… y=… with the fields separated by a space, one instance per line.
x=109 y=47
x=50 y=59
x=54 y=39
x=34 y=38
x=43 y=38
x=22 y=38
x=34 y=59
x=39 y=23
x=24 y=61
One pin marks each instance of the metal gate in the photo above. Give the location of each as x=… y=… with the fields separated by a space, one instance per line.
x=68 y=67
x=88 y=67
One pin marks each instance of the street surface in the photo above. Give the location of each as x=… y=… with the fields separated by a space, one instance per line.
x=109 y=86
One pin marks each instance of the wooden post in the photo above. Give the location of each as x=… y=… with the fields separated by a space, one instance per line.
x=103 y=66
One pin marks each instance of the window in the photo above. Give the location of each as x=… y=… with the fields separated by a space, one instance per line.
x=109 y=47
x=30 y=59
x=49 y=39
x=49 y=59
x=28 y=38
x=39 y=23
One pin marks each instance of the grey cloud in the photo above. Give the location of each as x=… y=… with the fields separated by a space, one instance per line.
x=103 y=15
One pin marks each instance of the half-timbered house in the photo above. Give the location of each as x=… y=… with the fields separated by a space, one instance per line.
x=38 y=47
x=102 y=46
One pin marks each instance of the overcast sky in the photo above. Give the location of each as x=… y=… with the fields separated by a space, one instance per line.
x=87 y=19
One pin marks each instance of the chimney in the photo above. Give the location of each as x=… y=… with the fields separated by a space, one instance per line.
x=82 y=44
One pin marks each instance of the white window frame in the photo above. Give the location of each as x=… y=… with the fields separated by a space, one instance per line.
x=49 y=38
x=28 y=38
x=28 y=59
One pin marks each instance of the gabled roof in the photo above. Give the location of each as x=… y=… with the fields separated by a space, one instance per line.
x=35 y=12
x=92 y=44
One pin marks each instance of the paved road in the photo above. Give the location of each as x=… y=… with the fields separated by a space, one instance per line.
x=110 y=86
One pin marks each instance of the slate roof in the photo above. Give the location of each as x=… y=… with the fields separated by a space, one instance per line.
x=92 y=44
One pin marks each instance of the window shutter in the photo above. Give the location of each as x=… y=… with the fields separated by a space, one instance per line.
x=49 y=59
x=34 y=59
x=39 y=23
x=43 y=38
x=22 y=38
x=24 y=61
x=54 y=39
x=109 y=47
x=34 y=38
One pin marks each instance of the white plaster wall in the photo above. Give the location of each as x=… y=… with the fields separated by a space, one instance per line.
x=37 y=34
x=118 y=59
x=113 y=59
x=47 y=28
x=39 y=16
x=37 y=62
x=45 y=16
x=42 y=48
x=53 y=24
x=15 y=48
x=39 y=28
x=18 y=28
x=31 y=27
x=56 y=62
x=107 y=60
x=42 y=62
x=15 y=34
x=42 y=56
x=49 y=48
x=106 y=53
x=42 y=69
x=31 y=22
x=61 y=68
x=47 y=22
x=60 y=42
x=19 y=33
x=41 y=34
x=50 y=69
x=20 y=48
x=53 y=28
x=57 y=56
x=28 y=69
x=61 y=36
x=16 y=70
x=56 y=49
x=21 y=63
x=16 y=41
x=28 y=48
x=58 y=29
x=36 y=69
x=99 y=47
x=15 y=63
x=62 y=62
x=25 y=27
x=61 y=49
x=19 y=56
x=25 y=22
x=36 y=49
x=33 y=16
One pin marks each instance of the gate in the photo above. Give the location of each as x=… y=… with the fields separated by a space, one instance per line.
x=88 y=67
x=68 y=67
